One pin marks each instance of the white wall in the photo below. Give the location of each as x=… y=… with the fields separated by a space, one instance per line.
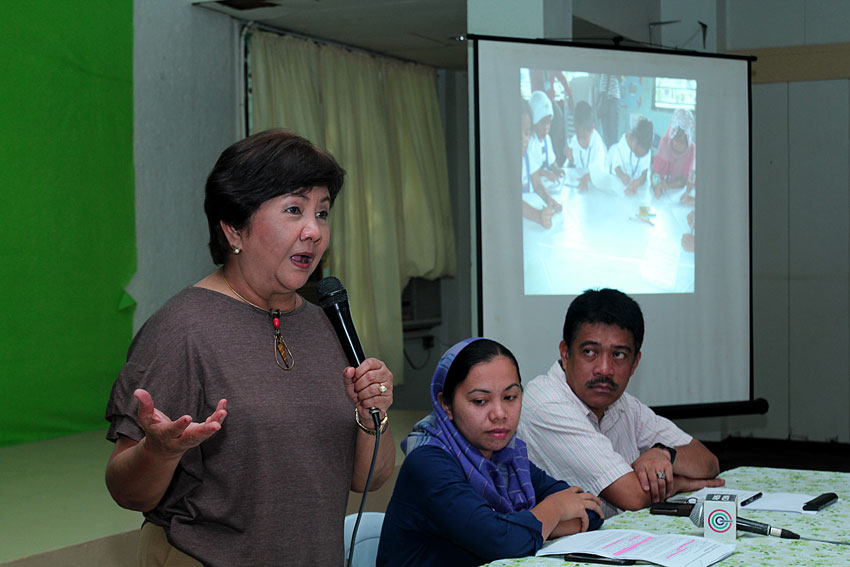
x=800 y=269
x=819 y=249
x=752 y=24
x=533 y=19
x=627 y=18
x=801 y=229
x=184 y=101
x=687 y=33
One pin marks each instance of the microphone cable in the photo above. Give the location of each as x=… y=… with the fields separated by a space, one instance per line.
x=825 y=540
x=333 y=299
x=375 y=413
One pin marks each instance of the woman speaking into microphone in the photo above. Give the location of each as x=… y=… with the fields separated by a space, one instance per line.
x=239 y=426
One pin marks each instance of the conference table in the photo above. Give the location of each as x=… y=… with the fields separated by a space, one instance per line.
x=831 y=523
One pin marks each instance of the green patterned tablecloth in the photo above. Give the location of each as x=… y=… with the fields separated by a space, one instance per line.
x=832 y=523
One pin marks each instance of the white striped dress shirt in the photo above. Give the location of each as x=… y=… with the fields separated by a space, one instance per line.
x=566 y=439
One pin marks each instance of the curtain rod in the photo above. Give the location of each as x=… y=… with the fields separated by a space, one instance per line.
x=279 y=31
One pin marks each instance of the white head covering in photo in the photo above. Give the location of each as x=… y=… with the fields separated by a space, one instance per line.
x=541 y=106
x=682 y=120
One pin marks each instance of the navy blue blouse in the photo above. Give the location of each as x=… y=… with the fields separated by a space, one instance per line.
x=435 y=518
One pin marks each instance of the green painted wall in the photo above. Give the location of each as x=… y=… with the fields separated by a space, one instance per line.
x=67 y=239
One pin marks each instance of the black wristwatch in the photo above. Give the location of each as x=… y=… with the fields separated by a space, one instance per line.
x=670 y=450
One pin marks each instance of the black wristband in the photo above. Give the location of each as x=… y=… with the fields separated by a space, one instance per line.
x=670 y=450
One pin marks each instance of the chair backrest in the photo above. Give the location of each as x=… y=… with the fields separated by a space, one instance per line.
x=368 y=535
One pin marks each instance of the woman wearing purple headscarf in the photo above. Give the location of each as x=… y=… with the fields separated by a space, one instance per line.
x=467 y=493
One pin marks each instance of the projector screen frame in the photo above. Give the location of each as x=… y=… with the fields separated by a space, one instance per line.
x=677 y=411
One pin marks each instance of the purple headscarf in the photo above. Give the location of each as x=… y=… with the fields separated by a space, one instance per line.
x=505 y=480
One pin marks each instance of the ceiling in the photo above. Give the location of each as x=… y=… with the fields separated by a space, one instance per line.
x=415 y=30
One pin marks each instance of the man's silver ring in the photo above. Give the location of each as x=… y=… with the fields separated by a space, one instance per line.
x=382 y=389
x=661 y=475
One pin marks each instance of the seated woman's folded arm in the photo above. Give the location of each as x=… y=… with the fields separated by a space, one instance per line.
x=451 y=508
x=545 y=486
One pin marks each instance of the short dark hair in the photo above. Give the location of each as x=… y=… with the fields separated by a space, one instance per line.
x=642 y=133
x=258 y=168
x=583 y=116
x=606 y=306
x=476 y=352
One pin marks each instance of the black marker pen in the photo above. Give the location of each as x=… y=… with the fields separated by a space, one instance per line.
x=751 y=499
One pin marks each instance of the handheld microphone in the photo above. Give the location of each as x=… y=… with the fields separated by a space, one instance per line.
x=334 y=300
x=744 y=525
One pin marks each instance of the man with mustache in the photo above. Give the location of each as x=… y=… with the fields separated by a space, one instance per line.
x=581 y=426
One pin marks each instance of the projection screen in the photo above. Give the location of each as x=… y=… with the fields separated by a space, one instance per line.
x=641 y=151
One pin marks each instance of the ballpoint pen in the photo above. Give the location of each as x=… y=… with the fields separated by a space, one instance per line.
x=751 y=499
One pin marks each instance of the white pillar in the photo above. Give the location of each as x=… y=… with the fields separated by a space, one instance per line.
x=528 y=19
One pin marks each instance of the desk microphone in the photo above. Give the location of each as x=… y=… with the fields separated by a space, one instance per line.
x=744 y=525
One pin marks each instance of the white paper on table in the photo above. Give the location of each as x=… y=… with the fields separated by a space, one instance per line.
x=669 y=550
x=768 y=501
x=782 y=502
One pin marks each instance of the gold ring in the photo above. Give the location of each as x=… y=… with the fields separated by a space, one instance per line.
x=382 y=388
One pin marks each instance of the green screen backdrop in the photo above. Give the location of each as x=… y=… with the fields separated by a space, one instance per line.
x=66 y=212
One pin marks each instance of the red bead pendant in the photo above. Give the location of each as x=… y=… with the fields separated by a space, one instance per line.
x=276 y=322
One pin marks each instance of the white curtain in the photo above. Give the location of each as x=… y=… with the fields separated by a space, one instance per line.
x=380 y=118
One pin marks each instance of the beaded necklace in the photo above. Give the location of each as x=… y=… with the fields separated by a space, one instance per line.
x=282 y=355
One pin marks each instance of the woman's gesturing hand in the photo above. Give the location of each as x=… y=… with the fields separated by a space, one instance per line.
x=173 y=438
x=138 y=473
x=370 y=385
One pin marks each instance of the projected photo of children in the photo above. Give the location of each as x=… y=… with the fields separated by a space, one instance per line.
x=609 y=199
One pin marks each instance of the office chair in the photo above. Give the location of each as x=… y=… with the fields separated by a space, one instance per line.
x=368 y=535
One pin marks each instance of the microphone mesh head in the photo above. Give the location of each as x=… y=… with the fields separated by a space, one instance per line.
x=330 y=292
x=696 y=515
